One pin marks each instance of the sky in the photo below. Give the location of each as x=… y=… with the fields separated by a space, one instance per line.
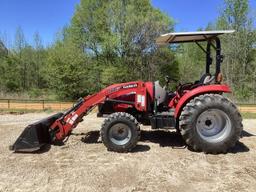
x=48 y=16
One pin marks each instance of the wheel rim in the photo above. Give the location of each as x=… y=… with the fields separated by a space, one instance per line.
x=213 y=125
x=120 y=134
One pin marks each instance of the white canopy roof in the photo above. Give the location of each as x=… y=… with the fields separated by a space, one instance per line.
x=189 y=36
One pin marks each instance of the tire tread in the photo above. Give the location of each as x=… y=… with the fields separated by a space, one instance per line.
x=117 y=117
x=188 y=133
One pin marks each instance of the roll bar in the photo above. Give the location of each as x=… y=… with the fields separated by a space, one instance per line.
x=219 y=56
x=211 y=37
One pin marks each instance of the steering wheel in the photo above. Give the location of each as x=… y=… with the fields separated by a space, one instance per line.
x=168 y=80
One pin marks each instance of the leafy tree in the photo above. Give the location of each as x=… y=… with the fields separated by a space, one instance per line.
x=67 y=70
x=3 y=50
x=192 y=61
x=114 y=41
x=109 y=42
x=119 y=33
x=40 y=61
x=239 y=64
x=19 y=47
x=22 y=67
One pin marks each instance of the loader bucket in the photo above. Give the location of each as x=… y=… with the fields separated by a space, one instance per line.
x=35 y=135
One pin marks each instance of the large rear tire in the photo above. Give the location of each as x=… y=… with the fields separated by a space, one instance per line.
x=120 y=132
x=210 y=123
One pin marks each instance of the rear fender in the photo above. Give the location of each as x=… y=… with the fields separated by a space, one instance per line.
x=198 y=91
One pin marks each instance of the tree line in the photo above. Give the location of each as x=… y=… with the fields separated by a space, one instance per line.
x=114 y=41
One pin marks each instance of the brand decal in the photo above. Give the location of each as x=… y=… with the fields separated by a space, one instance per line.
x=115 y=89
x=130 y=86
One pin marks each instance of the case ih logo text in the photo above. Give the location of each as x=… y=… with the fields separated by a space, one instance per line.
x=130 y=86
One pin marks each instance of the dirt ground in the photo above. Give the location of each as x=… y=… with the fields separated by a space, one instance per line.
x=160 y=162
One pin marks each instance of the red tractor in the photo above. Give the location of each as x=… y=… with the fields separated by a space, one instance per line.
x=207 y=120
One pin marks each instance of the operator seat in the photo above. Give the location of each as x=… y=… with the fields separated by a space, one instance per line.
x=206 y=79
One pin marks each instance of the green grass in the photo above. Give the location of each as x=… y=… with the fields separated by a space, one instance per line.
x=247 y=115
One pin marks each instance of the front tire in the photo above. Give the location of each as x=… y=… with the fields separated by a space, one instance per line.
x=210 y=123
x=120 y=132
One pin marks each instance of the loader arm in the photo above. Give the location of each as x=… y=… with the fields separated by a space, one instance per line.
x=63 y=126
x=56 y=128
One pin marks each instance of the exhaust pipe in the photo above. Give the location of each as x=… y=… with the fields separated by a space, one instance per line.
x=35 y=135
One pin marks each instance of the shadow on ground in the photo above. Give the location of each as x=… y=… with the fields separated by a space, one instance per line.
x=246 y=134
x=45 y=148
x=239 y=148
x=93 y=137
x=163 y=138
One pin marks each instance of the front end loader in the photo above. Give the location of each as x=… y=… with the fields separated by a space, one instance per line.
x=207 y=120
